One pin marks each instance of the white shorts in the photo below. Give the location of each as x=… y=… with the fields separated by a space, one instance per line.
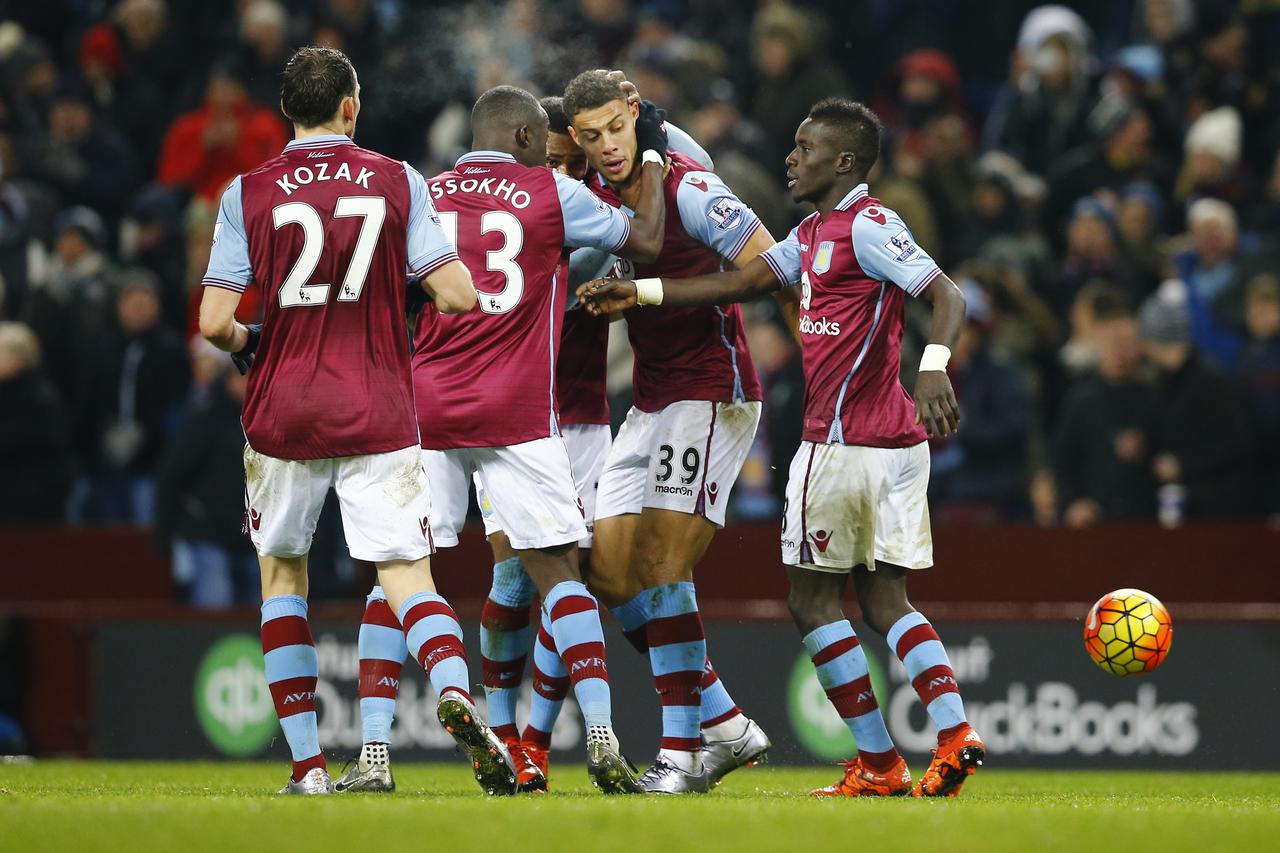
x=527 y=488
x=850 y=506
x=684 y=458
x=384 y=498
x=588 y=445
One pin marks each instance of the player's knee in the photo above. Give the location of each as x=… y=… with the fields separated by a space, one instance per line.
x=809 y=612
x=881 y=611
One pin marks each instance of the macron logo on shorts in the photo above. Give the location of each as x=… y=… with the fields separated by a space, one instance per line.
x=255 y=518
x=713 y=492
x=821 y=538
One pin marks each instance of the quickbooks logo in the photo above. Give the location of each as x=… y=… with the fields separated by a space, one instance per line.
x=813 y=718
x=233 y=703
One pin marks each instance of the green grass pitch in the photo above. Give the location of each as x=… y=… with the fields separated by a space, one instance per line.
x=50 y=806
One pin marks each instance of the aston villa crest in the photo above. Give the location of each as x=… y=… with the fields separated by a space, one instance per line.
x=822 y=260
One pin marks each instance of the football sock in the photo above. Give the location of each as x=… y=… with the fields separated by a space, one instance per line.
x=292 y=670
x=575 y=627
x=677 y=655
x=916 y=644
x=717 y=706
x=434 y=638
x=550 y=686
x=382 y=650
x=632 y=617
x=843 y=674
x=504 y=642
x=718 y=712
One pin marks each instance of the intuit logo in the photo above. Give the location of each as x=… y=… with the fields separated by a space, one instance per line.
x=822 y=326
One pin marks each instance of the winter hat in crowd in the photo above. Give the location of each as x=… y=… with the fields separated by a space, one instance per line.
x=1217 y=132
x=1165 y=318
x=84 y=220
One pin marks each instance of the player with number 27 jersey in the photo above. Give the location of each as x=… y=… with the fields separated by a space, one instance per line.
x=330 y=229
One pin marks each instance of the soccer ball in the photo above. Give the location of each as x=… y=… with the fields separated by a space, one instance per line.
x=1128 y=632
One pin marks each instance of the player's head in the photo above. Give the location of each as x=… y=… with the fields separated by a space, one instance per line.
x=836 y=146
x=320 y=89
x=509 y=119
x=603 y=124
x=563 y=154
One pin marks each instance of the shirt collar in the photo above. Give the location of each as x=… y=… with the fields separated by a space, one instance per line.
x=327 y=140
x=484 y=157
x=858 y=192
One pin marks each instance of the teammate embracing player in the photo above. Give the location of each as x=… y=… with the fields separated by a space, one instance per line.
x=856 y=497
x=329 y=231
x=666 y=481
x=492 y=374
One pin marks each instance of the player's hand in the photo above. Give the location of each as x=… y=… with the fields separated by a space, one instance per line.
x=628 y=88
x=243 y=358
x=936 y=405
x=651 y=129
x=607 y=295
x=415 y=296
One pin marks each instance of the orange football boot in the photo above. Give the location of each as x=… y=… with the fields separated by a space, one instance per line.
x=531 y=774
x=953 y=762
x=861 y=781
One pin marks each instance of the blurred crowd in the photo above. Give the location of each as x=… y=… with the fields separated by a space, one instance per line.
x=1103 y=181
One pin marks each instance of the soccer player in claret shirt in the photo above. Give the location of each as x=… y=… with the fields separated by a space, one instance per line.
x=856 y=499
x=667 y=478
x=329 y=231
x=485 y=387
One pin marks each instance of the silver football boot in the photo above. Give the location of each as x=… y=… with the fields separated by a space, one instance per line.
x=608 y=769
x=722 y=757
x=370 y=774
x=665 y=778
x=315 y=782
x=495 y=771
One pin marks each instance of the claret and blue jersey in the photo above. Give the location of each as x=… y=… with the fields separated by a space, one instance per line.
x=329 y=230
x=855 y=267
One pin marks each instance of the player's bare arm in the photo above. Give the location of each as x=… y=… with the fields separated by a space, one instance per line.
x=218 y=323
x=648 y=226
x=936 y=405
x=607 y=295
x=788 y=298
x=451 y=288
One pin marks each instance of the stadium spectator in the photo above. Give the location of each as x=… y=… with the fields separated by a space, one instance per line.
x=81 y=155
x=1259 y=370
x=1200 y=441
x=1117 y=153
x=1211 y=166
x=135 y=382
x=263 y=49
x=200 y=490
x=35 y=439
x=69 y=306
x=980 y=474
x=227 y=135
x=793 y=74
x=1208 y=269
x=1092 y=252
x=1101 y=467
x=1039 y=114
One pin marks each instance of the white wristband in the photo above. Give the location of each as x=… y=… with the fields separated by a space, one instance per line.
x=648 y=291
x=935 y=357
x=651 y=156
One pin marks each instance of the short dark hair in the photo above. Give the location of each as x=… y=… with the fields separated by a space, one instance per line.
x=589 y=90
x=505 y=105
x=554 y=105
x=857 y=126
x=316 y=79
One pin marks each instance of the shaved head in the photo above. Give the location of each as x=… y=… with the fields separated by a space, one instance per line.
x=509 y=119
